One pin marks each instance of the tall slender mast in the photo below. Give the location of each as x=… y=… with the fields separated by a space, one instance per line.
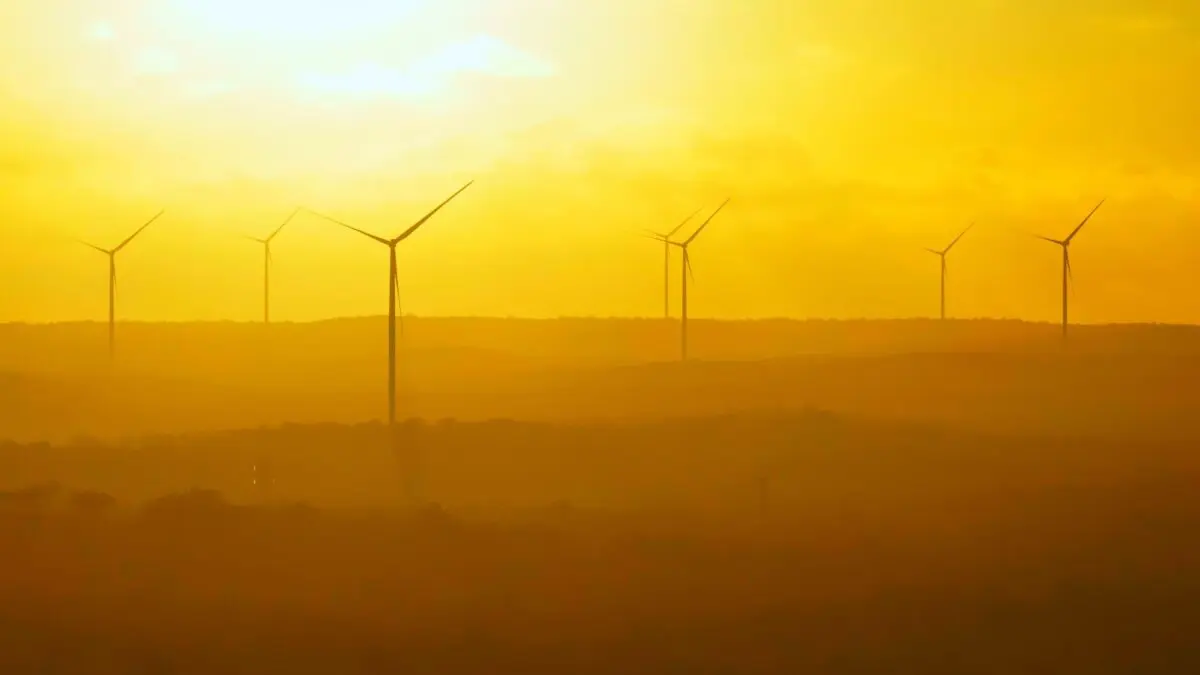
x=392 y=281
x=112 y=305
x=943 y=287
x=683 y=335
x=1066 y=273
x=666 y=279
x=267 y=283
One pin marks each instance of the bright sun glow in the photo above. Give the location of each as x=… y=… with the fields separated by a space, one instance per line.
x=351 y=50
x=429 y=75
x=294 y=19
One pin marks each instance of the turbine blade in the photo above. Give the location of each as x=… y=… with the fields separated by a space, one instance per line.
x=935 y=251
x=335 y=221
x=285 y=224
x=687 y=260
x=1084 y=221
x=960 y=236
x=139 y=231
x=1070 y=277
x=102 y=250
x=706 y=222
x=1035 y=235
x=685 y=222
x=419 y=223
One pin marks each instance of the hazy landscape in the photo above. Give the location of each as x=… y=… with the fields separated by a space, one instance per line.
x=912 y=390
x=998 y=375
x=843 y=497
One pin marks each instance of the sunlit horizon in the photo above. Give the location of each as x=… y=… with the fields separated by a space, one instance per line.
x=847 y=146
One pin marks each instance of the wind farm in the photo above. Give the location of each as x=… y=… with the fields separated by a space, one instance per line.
x=777 y=456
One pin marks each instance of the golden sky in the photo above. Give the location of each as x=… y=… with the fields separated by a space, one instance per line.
x=850 y=136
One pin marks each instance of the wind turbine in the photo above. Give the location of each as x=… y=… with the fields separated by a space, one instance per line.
x=687 y=270
x=112 y=282
x=1066 y=260
x=266 y=242
x=394 y=290
x=666 y=240
x=942 y=254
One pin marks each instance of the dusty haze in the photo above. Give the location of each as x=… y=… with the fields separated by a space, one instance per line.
x=830 y=480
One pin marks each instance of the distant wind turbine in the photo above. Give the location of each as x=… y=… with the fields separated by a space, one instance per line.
x=1066 y=260
x=112 y=282
x=394 y=290
x=266 y=242
x=942 y=254
x=687 y=271
x=665 y=238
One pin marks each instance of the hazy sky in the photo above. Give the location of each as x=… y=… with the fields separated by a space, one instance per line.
x=850 y=135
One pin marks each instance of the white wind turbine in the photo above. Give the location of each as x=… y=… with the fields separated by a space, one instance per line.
x=112 y=282
x=1065 y=244
x=266 y=242
x=665 y=238
x=942 y=254
x=394 y=290
x=687 y=271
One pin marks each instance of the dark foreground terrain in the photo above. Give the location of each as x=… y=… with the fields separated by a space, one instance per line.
x=736 y=544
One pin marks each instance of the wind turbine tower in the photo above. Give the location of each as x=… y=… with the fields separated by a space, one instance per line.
x=112 y=283
x=687 y=271
x=1065 y=244
x=942 y=254
x=266 y=242
x=394 y=290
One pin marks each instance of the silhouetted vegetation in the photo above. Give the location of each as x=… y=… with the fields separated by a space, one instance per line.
x=604 y=548
x=925 y=498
